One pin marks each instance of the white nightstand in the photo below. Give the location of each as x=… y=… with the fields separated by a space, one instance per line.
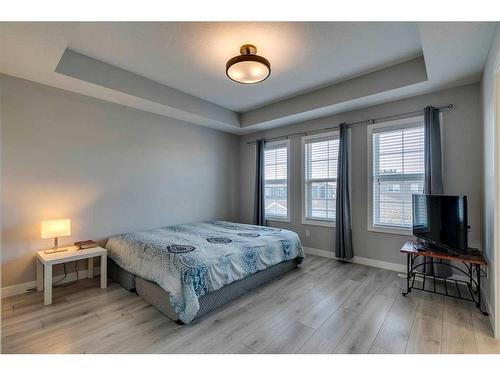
x=46 y=261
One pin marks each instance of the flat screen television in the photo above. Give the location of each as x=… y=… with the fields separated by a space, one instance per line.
x=440 y=221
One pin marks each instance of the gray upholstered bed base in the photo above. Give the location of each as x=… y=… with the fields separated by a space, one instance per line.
x=159 y=298
x=122 y=277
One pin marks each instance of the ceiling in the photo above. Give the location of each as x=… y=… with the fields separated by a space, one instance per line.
x=180 y=66
x=191 y=57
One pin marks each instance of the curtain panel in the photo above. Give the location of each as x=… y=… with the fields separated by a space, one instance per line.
x=343 y=232
x=259 y=212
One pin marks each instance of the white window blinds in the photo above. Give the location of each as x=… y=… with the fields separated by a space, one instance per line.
x=320 y=180
x=276 y=180
x=397 y=173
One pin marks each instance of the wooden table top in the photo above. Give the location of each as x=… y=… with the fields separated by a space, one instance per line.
x=409 y=248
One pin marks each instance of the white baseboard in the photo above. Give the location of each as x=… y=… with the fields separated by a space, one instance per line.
x=359 y=260
x=17 y=289
x=491 y=314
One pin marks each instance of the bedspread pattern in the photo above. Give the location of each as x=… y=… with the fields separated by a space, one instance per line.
x=191 y=260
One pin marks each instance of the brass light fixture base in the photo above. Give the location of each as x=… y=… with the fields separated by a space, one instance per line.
x=248 y=49
x=52 y=251
x=56 y=248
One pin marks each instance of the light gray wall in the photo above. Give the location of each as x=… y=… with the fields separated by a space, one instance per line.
x=462 y=157
x=491 y=165
x=108 y=168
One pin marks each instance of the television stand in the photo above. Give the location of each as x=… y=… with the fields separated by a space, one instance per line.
x=468 y=289
x=427 y=246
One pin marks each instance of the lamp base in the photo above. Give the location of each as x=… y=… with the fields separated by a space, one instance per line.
x=52 y=251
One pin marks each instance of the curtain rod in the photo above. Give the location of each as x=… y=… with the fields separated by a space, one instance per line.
x=349 y=124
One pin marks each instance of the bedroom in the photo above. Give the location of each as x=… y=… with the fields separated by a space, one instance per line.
x=226 y=217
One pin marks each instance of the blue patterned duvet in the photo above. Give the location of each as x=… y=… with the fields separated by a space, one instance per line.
x=191 y=260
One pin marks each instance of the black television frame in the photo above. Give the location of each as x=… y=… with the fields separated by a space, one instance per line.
x=439 y=247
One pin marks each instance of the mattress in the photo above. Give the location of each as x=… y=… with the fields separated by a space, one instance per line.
x=191 y=261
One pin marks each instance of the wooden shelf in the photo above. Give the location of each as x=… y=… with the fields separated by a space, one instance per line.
x=410 y=248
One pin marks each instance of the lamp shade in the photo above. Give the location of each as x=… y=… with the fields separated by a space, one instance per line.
x=56 y=228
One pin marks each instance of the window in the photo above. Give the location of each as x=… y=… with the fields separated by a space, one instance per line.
x=320 y=178
x=396 y=171
x=394 y=188
x=276 y=180
x=415 y=188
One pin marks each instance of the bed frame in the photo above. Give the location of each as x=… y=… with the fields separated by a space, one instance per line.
x=160 y=299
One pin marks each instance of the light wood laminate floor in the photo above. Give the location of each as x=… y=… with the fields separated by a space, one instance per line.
x=324 y=307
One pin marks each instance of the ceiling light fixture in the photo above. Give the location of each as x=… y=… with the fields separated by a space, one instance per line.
x=248 y=67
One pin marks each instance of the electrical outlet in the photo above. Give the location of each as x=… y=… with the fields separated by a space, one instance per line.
x=308 y=233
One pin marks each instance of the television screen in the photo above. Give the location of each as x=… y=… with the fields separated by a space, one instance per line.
x=441 y=220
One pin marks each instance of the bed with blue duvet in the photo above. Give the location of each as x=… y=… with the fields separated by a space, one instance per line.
x=190 y=269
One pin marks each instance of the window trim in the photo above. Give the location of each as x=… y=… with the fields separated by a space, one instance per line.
x=278 y=144
x=305 y=219
x=393 y=125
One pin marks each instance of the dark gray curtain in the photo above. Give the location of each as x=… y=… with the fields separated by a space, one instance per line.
x=433 y=183
x=259 y=215
x=343 y=234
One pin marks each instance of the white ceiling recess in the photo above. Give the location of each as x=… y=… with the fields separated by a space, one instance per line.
x=177 y=69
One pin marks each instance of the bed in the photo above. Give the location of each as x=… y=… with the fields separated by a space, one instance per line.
x=188 y=270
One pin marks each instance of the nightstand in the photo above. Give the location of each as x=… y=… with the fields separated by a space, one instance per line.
x=45 y=262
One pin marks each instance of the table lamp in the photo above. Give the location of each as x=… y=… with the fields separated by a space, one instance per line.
x=54 y=229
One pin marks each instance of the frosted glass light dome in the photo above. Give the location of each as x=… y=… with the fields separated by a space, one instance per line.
x=248 y=67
